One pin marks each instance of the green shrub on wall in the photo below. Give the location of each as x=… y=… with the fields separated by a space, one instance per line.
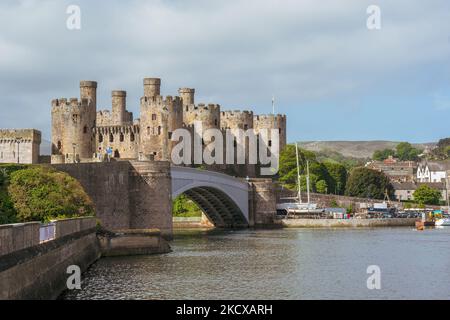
x=38 y=193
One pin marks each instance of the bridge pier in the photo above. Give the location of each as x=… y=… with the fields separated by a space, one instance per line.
x=262 y=202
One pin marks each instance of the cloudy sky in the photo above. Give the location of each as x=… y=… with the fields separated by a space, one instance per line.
x=333 y=77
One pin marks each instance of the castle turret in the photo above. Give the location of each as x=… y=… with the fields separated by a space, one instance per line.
x=73 y=121
x=88 y=90
x=118 y=107
x=208 y=115
x=187 y=95
x=152 y=87
x=272 y=121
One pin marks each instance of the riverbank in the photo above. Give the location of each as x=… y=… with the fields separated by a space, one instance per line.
x=345 y=223
x=192 y=222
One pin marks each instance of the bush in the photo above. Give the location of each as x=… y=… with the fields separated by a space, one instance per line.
x=37 y=193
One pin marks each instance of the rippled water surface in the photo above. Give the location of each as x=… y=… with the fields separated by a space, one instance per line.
x=280 y=264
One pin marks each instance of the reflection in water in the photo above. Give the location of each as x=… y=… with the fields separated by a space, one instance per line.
x=280 y=264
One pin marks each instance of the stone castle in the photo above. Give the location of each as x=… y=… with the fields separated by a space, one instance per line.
x=80 y=133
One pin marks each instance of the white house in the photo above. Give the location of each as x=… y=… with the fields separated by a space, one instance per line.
x=432 y=171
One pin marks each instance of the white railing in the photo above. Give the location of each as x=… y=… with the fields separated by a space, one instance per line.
x=47 y=232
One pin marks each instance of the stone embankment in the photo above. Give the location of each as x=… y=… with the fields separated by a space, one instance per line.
x=34 y=261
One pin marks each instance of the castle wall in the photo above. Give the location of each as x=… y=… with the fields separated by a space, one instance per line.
x=20 y=146
x=124 y=141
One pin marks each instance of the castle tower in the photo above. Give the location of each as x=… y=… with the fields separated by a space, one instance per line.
x=272 y=121
x=152 y=87
x=208 y=115
x=155 y=120
x=243 y=120
x=118 y=98
x=187 y=95
x=73 y=122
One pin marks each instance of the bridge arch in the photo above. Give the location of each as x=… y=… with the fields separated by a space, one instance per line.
x=224 y=199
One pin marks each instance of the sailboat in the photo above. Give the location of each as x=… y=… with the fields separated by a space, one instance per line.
x=299 y=207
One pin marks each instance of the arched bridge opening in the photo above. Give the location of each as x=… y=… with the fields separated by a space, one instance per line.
x=222 y=198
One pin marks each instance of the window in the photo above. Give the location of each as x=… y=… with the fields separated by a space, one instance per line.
x=59 y=146
x=215 y=122
x=245 y=126
x=159 y=130
x=270 y=143
x=100 y=138
x=148 y=130
x=85 y=129
x=111 y=138
x=132 y=137
x=121 y=137
x=153 y=116
x=170 y=135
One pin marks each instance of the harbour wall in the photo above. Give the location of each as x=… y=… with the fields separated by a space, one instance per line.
x=33 y=270
x=346 y=223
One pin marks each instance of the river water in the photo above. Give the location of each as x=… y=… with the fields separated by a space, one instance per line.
x=280 y=264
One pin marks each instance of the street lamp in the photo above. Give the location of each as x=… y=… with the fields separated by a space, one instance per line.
x=18 y=141
x=74 y=145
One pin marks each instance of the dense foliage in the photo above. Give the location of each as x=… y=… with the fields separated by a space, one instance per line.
x=368 y=183
x=404 y=152
x=325 y=177
x=380 y=155
x=442 y=150
x=427 y=195
x=185 y=207
x=37 y=193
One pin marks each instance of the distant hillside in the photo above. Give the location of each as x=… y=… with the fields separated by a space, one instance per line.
x=355 y=149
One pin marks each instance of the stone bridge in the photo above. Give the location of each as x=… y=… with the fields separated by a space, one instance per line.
x=138 y=194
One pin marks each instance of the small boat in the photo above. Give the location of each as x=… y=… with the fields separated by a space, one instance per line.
x=420 y=225
x=442 y=222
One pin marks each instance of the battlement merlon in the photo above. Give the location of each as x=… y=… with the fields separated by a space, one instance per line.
x=22 y=135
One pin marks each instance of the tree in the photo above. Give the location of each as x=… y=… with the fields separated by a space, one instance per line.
x=380 y=155
x=367 y=183
x=338 y=174
x=288 y=166
x=406 y=152
x=41 y=194
x=425 y=194
x=321 y=186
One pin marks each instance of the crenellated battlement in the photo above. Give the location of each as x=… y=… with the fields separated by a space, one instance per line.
x=236 y=114
x=125 y=129
x=63 y=104
x=272 y=117
x=202 y=107
x=159 y=100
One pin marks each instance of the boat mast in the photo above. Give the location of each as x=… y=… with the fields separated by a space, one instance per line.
x=299 y=192
x=307 y=180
